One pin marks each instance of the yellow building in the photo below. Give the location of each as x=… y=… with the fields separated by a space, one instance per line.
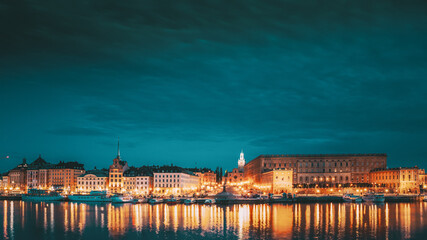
x=115 y=176
x=396 y=180
x=277 y=181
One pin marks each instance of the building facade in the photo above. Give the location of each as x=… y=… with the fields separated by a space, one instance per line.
x=208 y=178
x=318 y=168
x=64 y=175
x=138 y=181
x=234 y=177
x=18 y=177
x=4 y=182
x=33 y=173
x=43 y=179
x=397 y=180
x=115 y=177
x=277 y=181
x=92 y=180
x=172 y=180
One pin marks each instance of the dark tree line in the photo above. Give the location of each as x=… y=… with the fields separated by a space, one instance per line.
x=219 y=174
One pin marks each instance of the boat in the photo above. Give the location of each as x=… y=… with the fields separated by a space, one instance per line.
x=371 y=197
x=171 y=200
x=122 y=199
x=153 y=201
x=189 y=201
x=352 y=198
x=142 y=200
x=93 y=196
x=279 y=199
x=209 y=201
x=42 y=195
x=11 y=197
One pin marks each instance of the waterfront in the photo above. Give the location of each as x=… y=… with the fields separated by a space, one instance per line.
x=66 y=220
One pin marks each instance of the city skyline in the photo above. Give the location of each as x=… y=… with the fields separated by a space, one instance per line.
x=193 y=83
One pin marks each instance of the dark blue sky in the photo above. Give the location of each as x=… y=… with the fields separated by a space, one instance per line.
x=187 y=82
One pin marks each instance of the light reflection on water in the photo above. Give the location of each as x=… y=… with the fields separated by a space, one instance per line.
x=69 y=220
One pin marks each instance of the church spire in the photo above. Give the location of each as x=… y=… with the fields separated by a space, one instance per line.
x=118 y=148
x=241 y=162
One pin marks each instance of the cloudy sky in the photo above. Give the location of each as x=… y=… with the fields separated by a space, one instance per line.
x=194 y=82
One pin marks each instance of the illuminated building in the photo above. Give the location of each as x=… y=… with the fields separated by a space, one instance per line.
x=138 y=181
x=400 y=180
x=175 y=180
x=4 y=181
x=206 y=176
x=318 y=168
x=92 y=180
x=33 y=173
x=277 y=181
x=43 y=177
x=423 y=179
x=241 y=162
x=64 y=175
x=207 y=179
x=115 y=177
x=18 y=176
x=236 y=176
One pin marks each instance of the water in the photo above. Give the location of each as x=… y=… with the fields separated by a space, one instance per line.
x=66 y=220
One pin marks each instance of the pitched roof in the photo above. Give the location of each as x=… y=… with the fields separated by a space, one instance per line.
x=96 y=172
x=38 y=163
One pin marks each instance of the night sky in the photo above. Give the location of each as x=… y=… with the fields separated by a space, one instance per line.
x=194 y=82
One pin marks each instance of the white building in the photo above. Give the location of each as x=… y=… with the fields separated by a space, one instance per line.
x=241 y=162
x=138 y=181
x=138 y=185
x=93 y=180
x=171 y=180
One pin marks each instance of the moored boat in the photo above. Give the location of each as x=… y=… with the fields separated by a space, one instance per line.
x=352 y=198
x=171 y=201
x=11 y=197
x=153 y=201
x=122 y=199
x=93 y=196
x=209 y=201
x=189 y=201
x=371 y=197
x=42 y=195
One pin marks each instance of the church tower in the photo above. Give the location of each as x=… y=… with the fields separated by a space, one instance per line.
x=241 y=162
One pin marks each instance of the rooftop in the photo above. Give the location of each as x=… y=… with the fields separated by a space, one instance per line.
x=393 y=169
x=325 y=155
x=96 y=172
x=68 y=165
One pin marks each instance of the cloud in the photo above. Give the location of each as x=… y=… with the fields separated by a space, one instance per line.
x=77 y=131
x=277 y=76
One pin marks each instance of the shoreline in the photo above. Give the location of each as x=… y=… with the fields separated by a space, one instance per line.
x=297 y=199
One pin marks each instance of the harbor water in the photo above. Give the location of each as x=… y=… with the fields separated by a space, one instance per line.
x=68 y=220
